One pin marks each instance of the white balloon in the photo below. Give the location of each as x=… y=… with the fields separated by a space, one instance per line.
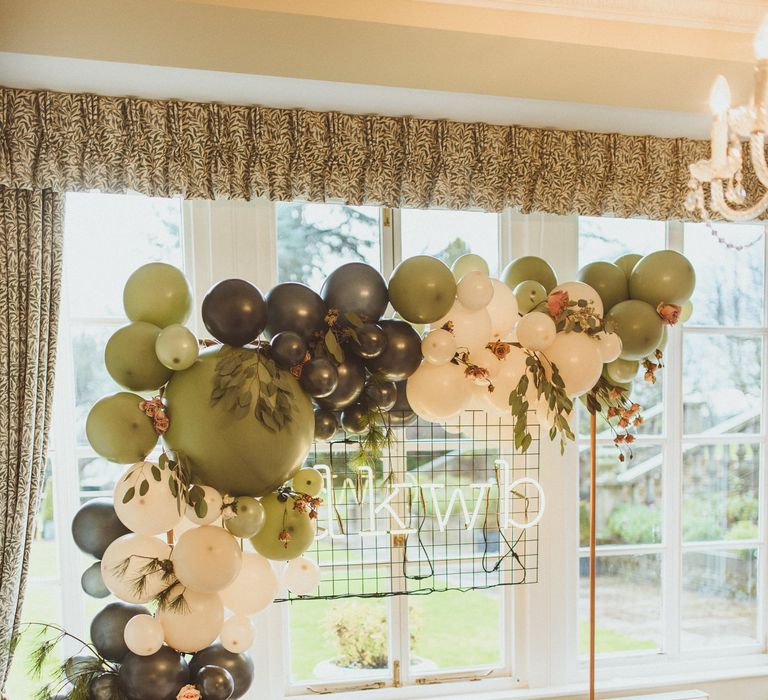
x=154 y=512
x=487 y=360
x=502 y=309
x=543 y=414
x=471 y=329
x=121 y=579
x=438 y=347
x=301 y=576
x=578 y=360
x=195 y=625
x=254 y=588
x=176 y=347
x=237 y=634
x=214 y=502
x=475 y=290
x=536 y=331
x=437 y=392
x=609 y=345
x=579 y=290
x=143 y=635
x=512 y=369
x=207 y=559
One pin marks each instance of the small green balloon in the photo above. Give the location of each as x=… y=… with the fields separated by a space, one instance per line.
x=131 y=359
x=295 y=526
x=422 y=289
x=176 y=347
x=309 y=481
x=639 y=327
x=608 y=280
x=157 y=293
x=686 y=311
x=622 y=371
x=664 y=337
x=119 y=430
x=470 y=262
x=529 y=267
x=665 y=276
x=529 y=295
x=626 y=263
x=248 y=519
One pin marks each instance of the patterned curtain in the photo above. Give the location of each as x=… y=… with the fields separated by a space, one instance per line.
x=30 y=275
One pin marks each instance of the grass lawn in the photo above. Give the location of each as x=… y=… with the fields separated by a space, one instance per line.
x=608 y=641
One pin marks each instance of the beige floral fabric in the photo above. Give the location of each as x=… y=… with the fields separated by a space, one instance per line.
x=77 y=141
x=30 y=282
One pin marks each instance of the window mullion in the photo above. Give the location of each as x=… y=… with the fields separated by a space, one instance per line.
x=762 y=580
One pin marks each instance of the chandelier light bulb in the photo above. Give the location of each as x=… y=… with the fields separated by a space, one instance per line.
x=761 y=41
x=720 y=96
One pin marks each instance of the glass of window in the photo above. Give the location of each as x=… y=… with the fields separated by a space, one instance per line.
x=606 y=238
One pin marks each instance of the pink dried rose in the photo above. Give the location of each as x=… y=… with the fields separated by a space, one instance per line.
x=189 y=692
x=151 y=407
x=670 y=313
x=557 y=303
x=284 y=537
x=161 y=423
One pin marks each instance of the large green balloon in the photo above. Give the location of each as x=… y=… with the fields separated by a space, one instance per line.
x=157 y=293
x=422 y=289
x=626 y=263
x=639 y=327
x=608 y=280
x=236 y=455
x=470 y=262
x=622 y=371
x=131 y=359
x=665 y=276
x=529 y=267
x=282 y=516
x=529 y=295
x=119 y=430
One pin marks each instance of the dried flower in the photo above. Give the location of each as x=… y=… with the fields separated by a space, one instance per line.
x=557 y=303
x=151 y=406
x=155 y=409
x=228 y=508
x=307 y=504
x=448 y=326
x=639 y=420
x=670 y=313
x=189 y=692
x=284 y=537
x=475 y=372
x=499 y=348
x=296 y=369
x=331 y=317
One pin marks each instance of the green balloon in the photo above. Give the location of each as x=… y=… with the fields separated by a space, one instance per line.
x=157 y=293
x=131 y=359
x=665 y=276
x=527 y=268
x=176 y=347
x=309 y=481
x=626 y=263
x=282 y=517
x=686 y=311
x=249 y=517
x=468 y=263
x=664 y=337
x=119 y=430
x=639 y=327
x=622 y=371
x=226 y=445
x=608 y=280
x=422 y=289
x=529 y=295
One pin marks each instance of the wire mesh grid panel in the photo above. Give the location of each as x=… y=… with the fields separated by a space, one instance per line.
x=450 y=506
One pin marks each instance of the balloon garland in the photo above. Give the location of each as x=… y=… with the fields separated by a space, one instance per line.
x=237 y=417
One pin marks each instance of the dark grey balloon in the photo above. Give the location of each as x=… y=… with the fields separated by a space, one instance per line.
x=351 y=383
x=354 y=419
x=382 y=395
x=74 y=666
x=103 y=687
x=292 y=306
x=214 y=682
x=326 y=424
x=401 y=414
x=92 y=581
x=288 y=349
x=402 y=355
x=400 y=419
x=108 y=627
x=319 y=377
x=234 y=312
x=240 y=666
x=369 y=341
x=356 y=288
x=156 y=677
x=96 y=526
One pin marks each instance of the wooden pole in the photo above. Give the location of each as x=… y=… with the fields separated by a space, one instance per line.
x=592 y=542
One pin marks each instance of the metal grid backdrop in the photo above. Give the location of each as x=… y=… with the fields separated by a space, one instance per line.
x=430 y=516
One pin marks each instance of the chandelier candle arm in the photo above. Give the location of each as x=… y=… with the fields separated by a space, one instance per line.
x=757 y=153
x=719 y=104
x=720 y=205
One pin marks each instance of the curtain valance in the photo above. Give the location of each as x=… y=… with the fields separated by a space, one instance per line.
x=64 y=142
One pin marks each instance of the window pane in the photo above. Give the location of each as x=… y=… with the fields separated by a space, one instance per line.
x=729 y=283
x=721 y=384
x=721 y=491
x=450 y=234
x=314 y=239
x=628 y=610
x=719 y=601
x=604 y=238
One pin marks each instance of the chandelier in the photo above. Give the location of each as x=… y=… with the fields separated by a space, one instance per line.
x=730 y=125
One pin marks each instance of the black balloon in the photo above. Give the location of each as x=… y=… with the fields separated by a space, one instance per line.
x=108 y=627
x=288 y=349
x=292 y=306
x=326 y=424
x=354 y=419
x=369 y=340
x=399 y=419
x=382 y=395
x=215 y=683
x=401 y=413
x=96 y=526
x=103 y=687
x=234 y=312
x=402 y=355
x=240 y=666
x=92 y=581
x=319 y=377
x=351 y=383
x=356 y=288
x=156 y=677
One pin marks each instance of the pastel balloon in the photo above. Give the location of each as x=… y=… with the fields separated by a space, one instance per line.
x=157 y=293
x=143 y=635
x=536 y=331
x=579 y=290
x=578 y=361
x=176 y=347
x=213 y=505
x=471 y=329
x=309 y=481
x=195 y=625
x=622 y=371
x=301 y=576
x=626 y=263
x=206 y=559
x=438 y=391
x=502 y=308
x=512 y=368
x=475 y=290
x=610 y=346
x=438 y=347
x=254 y=588
x=639 y=327
x=122 y=579
x=486 y=359
x=131 y=360
x=469 y=262
x=237 y=634
x=529 y=267
x=144 y=502
x=287 y=533
x=422 y=289
x=686 y=311
x=665 y=276
x=608 y=280
x=248 y=518
x=528 y=295
x=118 y=430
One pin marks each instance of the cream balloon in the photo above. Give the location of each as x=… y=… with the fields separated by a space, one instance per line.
x=121 y=578
x=578 y=361
x=237 y=634
x=488 y=361
x=543 y=414
x=475 y=290
x=437 y=391
x=196 y=624
x=609 y=345
x=301 y=576
x=254 y=588
x=579 y=290
x=207 y=559
x=214 y=502
x=536 y=331
x=176 y=347
x=143 y=635
x=471 y=329
x=511 y=370
x=438 y=347
x=152 y=509
x=502 y=309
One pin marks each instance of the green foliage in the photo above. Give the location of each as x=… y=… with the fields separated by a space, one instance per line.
x=632 y=523
x=46 y=507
